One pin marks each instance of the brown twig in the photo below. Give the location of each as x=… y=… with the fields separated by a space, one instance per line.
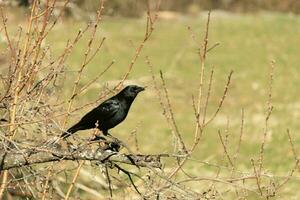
x=257 y=177
x=171 y=113
x=225 y=148
x=268 y=114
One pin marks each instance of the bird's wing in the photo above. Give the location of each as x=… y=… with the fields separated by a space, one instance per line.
x=105 y=110
x=108 y=108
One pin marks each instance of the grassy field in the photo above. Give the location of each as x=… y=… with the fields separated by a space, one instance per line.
x=248 y=43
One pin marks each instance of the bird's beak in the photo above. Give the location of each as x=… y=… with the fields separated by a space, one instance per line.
x=139 y=89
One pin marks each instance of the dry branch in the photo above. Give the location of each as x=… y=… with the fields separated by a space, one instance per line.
x=27 y=157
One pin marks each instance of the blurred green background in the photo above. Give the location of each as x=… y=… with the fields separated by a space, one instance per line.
x=250 y=37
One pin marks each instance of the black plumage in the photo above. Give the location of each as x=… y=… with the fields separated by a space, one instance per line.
x=108 y=114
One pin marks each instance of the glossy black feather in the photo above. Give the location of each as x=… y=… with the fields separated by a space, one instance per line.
x=108 y=114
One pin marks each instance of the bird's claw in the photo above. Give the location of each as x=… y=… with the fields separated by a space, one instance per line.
x=114 y=146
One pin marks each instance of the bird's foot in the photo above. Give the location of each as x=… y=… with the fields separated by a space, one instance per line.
x=119 y=142
x=113 y=146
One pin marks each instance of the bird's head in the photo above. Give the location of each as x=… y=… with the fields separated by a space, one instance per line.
x=131 y=91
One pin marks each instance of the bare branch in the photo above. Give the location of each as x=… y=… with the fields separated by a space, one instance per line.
x=54 y=154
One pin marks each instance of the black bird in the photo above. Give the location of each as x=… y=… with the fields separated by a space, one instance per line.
x=108 y=114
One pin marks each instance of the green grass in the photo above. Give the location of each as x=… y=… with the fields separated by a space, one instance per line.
x=248 y=44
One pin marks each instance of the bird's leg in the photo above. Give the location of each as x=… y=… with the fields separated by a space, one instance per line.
x=113 y=138
x=105 y=132
x=117 y=142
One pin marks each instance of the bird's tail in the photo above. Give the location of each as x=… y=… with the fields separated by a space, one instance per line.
x=70 y=131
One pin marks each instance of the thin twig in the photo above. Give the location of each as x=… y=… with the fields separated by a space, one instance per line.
x=225 y=148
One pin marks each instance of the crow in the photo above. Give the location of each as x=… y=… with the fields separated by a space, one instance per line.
x=108 y=114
